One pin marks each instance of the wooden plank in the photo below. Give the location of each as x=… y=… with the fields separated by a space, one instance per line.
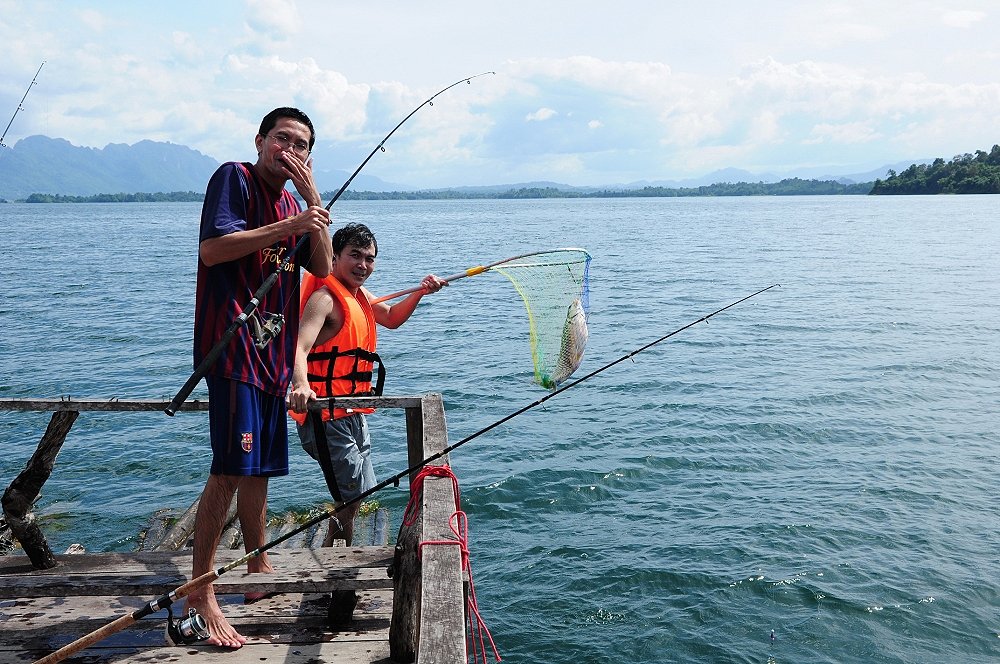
x=169 y=561
x=435 y=429
x=338 y=651
x=145 y=405
x=442 y=614
x=442 y=599
x=36 y=627
x=154 y=585
x=29 y=613
x=428 y=602
x=148 y=575
x=110 y=405
x=404 y=631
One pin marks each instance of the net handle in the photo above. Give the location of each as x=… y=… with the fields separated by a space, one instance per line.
x=473 y=271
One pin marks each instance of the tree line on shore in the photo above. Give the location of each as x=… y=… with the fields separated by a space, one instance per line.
x=787 y=187
x=970 y=173
x=967 y=173
x=141 y=197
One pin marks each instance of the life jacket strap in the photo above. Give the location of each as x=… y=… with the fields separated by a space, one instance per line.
x=355 y=376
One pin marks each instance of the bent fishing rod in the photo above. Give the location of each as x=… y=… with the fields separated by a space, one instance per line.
x=20 y=105
x=251 y=306
x=165 y=601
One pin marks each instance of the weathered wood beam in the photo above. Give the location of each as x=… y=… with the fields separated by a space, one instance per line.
x=182 y=531
x=24 y=490
x=110 y=405
x=442 y=600
x=116 y=405
x=428 y=599
x=404 y=628
x=153 y=573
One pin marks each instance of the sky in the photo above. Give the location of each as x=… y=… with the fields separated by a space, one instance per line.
x=584 y=93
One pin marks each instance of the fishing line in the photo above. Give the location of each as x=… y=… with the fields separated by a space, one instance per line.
x=164 y=601
x=251 y=306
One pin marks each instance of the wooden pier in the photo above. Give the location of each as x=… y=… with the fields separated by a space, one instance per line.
x=416 y=614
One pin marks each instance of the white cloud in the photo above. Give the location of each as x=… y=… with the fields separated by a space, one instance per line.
x=274 y=19
x=846 y=133
x=838 y=82
x=962 y=18
x=93 y=20
x=186 y=46
x=541 y=115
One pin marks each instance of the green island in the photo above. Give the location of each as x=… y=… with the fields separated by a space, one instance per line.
x=977 y=173
x=160 y=197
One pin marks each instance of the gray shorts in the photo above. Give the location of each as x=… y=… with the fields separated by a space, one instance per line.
x=349 y=453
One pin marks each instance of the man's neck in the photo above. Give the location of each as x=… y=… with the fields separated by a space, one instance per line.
x=275 y=185
x=348 y=287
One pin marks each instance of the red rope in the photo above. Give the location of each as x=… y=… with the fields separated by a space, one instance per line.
x=459 y=524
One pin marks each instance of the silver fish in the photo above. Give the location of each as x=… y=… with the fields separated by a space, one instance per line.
x=572 y=345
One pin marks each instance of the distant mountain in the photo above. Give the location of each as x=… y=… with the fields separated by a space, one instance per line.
x=878 y=173
x=43 y=165
x=731 y=175
x=503 y=188
x=38 y=164
x=821 y=173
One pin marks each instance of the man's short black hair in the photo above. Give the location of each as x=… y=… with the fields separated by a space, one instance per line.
x=356 y=235
x=271 y=119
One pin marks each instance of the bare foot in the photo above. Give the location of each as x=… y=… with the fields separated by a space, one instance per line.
x=258 y=565
x=222 y=633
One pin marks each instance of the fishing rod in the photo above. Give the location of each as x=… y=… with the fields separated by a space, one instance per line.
x=20 y=105
x=165 y=601
x=272 y=330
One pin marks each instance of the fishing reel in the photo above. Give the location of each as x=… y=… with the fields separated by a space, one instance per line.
x=264 y=327
x=185 y=631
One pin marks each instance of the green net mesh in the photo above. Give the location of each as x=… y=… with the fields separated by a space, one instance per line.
x=555 y=288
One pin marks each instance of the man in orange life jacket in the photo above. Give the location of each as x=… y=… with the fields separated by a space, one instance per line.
x=335 y=356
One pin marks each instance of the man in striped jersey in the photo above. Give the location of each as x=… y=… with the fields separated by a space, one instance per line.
x=249 y=222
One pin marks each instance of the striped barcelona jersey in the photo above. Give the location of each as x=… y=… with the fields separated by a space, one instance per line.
x=237 y=199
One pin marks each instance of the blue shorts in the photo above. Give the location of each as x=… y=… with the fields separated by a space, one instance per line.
x=347 y=465
x=249 y=430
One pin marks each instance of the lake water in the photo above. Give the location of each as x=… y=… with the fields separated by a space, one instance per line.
x=820 y=461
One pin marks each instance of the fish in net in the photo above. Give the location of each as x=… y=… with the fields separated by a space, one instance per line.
x=554 y=286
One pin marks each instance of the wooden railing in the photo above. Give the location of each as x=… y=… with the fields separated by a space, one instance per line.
x=428 y=619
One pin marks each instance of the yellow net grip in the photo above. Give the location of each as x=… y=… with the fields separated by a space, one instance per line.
x=473 y=271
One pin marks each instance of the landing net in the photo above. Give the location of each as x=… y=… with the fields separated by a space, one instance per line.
x=556 y=292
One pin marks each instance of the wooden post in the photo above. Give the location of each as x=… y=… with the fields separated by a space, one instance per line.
x=414 y=437
x=404 y=628
x=442 y=607
x=24 y=490
x=428 y=608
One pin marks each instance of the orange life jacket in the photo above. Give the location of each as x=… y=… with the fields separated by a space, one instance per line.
x=343 y=364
